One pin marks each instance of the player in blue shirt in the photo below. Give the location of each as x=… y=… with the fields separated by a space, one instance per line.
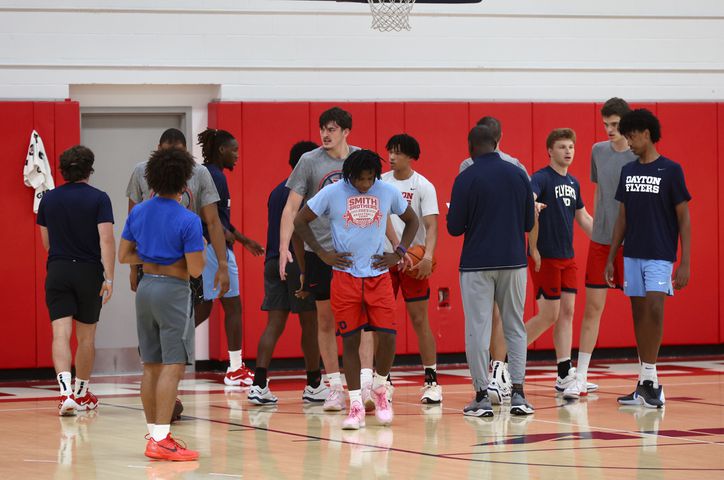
x=552 y=264
x=221 y=151
x=362 y=295
x=282 y=297
x=167 y=240
x=654 y=213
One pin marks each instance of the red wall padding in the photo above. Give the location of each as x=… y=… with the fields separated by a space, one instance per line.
x=691 y=136
x=23 y=270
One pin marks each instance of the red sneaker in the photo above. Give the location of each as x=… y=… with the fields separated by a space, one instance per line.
x=169 y=449
x=67 y=405
x=242 y=376
x=87 y=402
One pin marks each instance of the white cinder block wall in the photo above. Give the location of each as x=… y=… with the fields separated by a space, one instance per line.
x=301 y=50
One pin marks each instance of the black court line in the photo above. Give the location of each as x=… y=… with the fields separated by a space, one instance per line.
x=433 y=455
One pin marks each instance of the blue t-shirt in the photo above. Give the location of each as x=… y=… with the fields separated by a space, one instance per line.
x=358 y=221
x=163 y=230
x=224 y=203
x=275 y=207
x=562 y=196
x=71 y=214
x=650 y=193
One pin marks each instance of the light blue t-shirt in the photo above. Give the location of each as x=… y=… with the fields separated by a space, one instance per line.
x=358 y=221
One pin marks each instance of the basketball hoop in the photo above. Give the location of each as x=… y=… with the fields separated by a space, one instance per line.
x=391 y=15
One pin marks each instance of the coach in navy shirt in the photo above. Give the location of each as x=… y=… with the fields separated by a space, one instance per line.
x=76 y=226
x=654 y=213
x=492 y=205
x=552 y=263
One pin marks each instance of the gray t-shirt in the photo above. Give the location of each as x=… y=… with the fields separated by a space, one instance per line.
x=469 y=161
x=316 y=170
x=200 y=190
x=606 y=164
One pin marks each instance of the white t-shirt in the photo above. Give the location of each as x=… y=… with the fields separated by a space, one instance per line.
x=421 y=196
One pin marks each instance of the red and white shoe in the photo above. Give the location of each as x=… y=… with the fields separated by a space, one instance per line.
x=87 y=402
x=169 y=449
x=242 y=376
x=67 y=405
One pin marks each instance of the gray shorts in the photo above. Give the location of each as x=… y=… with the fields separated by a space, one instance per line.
x=164 y=320
x=279 y=294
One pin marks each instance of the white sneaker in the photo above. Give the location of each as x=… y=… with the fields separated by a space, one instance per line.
x=335 y=402
x=315 y=395
x=261 y=396
x=499 y=388
x=563 y=383
x=390 y=391
x=367 y=400
x=67 y=406
x=572 y=391
x=431 y=393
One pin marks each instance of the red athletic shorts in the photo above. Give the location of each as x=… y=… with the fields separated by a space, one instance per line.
x=363 y=303
x=596 y=264
x=413 y=290
x=556 y=275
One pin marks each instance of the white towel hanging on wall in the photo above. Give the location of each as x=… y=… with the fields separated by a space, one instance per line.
x=36 y=173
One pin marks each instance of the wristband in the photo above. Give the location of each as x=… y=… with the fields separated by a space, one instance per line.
x=109 y=282
x=401 y=249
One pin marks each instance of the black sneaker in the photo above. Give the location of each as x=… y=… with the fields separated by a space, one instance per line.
x=650 y=397
x=645 y=395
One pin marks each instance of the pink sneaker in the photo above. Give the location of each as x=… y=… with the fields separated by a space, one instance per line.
x=383 y=409
x=335 y=402
x=367 y=397
x=356 y=418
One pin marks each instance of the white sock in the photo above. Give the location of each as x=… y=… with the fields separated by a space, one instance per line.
x=582 y=367
x=379 y=380
x=648 y=372
x=81 y=387
x=160 y=432
x=355 y=396
x=235 y=360
x=150 y=428
x=335 y=380
x=365 y=376
x=64 y=383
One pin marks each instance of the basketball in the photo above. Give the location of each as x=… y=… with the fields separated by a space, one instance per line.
x=416 y=253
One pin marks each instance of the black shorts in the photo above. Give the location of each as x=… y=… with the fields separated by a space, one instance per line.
x=318 y=276
x=279 y=294
x=72 y=289
x=196 y=284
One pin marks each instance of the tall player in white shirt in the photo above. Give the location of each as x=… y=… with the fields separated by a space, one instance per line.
x=421 y=196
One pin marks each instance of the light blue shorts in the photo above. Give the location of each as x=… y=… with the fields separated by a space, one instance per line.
x=642 y=275
x=212 y=266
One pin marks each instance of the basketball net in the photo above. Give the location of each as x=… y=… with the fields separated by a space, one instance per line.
x=391 y=15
